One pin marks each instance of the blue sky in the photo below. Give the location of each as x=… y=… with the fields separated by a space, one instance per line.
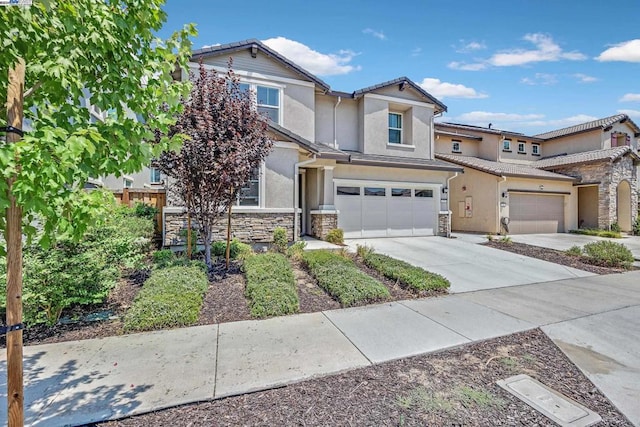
x=524 y=65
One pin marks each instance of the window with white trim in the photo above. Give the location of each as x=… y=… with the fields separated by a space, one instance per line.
x=154 y=176
x=455 y=146
x=535 y=149
x=395 y=128
x=506 y=145
x=127 y=183
x=267 y=99
x=249 y=194
x=522 y=147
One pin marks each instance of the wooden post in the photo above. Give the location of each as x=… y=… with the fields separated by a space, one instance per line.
x=13 y=238
x=125 y=197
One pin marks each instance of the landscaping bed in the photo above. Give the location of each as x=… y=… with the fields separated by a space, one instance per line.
x=450 y=388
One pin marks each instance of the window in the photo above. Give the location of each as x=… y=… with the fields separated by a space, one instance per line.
x=154 y=176
x=522 y=147
x=506 y=145
x=535 y=149
x=455 y=146
x=400 y=192
x=249 y=195
x=348 y=191
x=424 y=193
x=127 y=183
x=267 y=99
x=374 y=191
x=618 y=139
x=395 y=128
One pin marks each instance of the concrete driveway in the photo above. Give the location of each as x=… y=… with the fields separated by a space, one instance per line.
x=468 y=265
x=563 y=241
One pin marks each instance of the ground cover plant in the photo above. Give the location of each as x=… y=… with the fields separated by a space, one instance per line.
x=613 y=234
x=271 y=286
x=342 y=279
x=415 y=278
x=608 y=254
x=171 y=297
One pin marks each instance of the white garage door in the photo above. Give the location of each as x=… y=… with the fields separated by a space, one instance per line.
x=380 y=210
x=536 y=213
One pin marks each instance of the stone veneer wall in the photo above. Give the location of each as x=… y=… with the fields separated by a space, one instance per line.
x=248 y=227
x=321 y=223
x=609 y=175
x=443 y=224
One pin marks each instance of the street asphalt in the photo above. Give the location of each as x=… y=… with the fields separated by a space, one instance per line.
x=595 y=320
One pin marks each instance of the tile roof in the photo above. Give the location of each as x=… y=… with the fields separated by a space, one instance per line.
x=583 y=127
x=245 y=44
x=400 y=162
x=584 y=157
x=501 y=168
x=460 y=135
x=471 y=128
x=401 y=80
x=321 y=150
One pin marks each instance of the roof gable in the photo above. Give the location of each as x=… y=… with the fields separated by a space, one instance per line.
x=502 y=168
x=401 y=84
x=609 y=154
x=601 y=124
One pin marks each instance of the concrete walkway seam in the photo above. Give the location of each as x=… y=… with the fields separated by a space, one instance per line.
x=348 y=339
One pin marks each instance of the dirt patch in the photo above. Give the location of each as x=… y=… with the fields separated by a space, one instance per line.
x=450 y=388
x=224 y=300
x=312 y=297
x=552 y=255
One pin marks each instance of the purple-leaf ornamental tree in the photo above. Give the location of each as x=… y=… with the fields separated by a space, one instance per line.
x=227 y=138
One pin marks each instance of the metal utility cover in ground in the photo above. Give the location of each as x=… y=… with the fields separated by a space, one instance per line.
x=550 y=403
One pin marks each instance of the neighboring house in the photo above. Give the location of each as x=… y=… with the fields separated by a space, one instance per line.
x=580 y=176
x=361 y=161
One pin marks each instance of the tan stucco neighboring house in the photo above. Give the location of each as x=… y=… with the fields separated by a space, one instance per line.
x=603 y=157
x=362 y=161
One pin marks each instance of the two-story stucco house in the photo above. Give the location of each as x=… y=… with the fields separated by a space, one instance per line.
x=362 y=161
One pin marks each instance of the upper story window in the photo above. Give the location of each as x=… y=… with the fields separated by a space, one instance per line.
x=395 y=128
x=455 y=146
x=127 y=182
x=618 y=139
x=267 y=99
x=154 y=176
x=535 y=149
x=506 y=145
x=522 y=147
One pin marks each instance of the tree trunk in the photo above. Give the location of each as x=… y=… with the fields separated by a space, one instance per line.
x=207 y=246
x=13 y=238
x=227 y=255
x=188 y=235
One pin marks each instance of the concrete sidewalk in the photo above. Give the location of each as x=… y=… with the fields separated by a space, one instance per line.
x=92 y=380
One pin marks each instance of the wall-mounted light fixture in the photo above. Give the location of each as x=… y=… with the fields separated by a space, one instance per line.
x=505 y=194
x=445 y=190
x=464 y=188
x=541 y=187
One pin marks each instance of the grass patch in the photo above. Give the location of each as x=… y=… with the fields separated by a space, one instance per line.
x=597 y=232
x=608 y=254
x=423 y=399
x=415 y=278
x=479 y=398
x=171 y=297
x=342 y=279
x=271 y=286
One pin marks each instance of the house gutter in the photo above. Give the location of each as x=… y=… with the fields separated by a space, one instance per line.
x=504 y=179
x=296 y=201
x=335 y=123
x=449 y=202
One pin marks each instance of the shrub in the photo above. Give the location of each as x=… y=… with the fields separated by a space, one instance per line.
x=145 y=211
x=490 y=237
x=280 y=240
x=364 y=251
x=608 y=254
x=335 y=236
x=271 y=286
x=615 y=227
x=574 y=251
x=636 y=226
x=295 y=251
x=237 y=249
x=597 y=232
x=171 y=297
x=505 y=239
x=416 y=278
x=163 y=258
x=340 y=277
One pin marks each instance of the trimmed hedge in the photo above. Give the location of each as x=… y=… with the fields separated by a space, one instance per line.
x=342 y=279
x=171 y=297
x=271 y=286
x=416 y=278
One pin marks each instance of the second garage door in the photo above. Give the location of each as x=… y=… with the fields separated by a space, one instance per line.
x=368 y=210
x=536 y=213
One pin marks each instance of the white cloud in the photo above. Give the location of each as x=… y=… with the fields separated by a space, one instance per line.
x=484 y=117
x=442 y=90
x=634 y=114
x=630 y=97
x=464 y=66
x=377 y=34
x=540 y=79
x=563 y=122
x=546 y=51
x=416 y=52
x=322 y=64
x=628 y=51
x=583 y=78
x=531 y=122
x=469 y=46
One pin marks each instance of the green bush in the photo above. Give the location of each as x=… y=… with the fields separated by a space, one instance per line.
x=413 y=277
x=363 y=251
x=574 y=250
x=335 y=236
x=171 y=297
x=296 y=250
x=597 y=232
x=340 y=277
x=280 y=240
x=237 y=249
x=636 y=226
x=608 y=254
x=145 y=211
x=163 y=258
x=615 y=227
x=271 y=286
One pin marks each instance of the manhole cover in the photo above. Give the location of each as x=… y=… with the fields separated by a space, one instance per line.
x=549 y=402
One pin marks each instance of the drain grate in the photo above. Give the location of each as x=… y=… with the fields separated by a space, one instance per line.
x=549 y=402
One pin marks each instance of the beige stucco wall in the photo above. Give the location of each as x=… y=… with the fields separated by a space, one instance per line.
x=279 y=169
x=468 y=147
x=347 y=123
x=140 y=179
x=516 y=157
x=298 y=110
x=324 y=119
x=373 y=173
x=586 y=141
x=588 y=206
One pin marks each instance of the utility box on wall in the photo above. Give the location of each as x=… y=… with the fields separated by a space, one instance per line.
x=468 y=207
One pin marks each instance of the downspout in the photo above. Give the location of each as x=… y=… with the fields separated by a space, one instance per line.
x=335 y=123
x=296 y=201
x=449 y=202
x=504 y=179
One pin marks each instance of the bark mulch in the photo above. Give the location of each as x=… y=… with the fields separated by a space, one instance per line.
x=450 y=388
x=552 y=255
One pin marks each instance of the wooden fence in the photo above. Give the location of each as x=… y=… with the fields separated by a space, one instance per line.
x=149 y=196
